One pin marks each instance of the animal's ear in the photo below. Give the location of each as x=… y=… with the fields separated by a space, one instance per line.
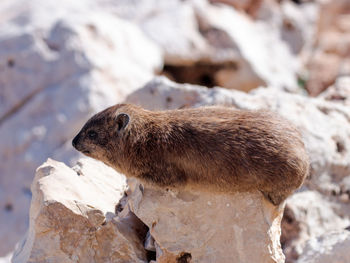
x=122 y=121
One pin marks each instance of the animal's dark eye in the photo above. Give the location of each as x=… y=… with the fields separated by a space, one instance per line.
x=92 y=134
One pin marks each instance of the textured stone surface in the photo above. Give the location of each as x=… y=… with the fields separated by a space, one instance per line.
x=40 y=49
x=339 y=92
x=198 y=39
x=61 y=73
x=330 y=247
x=71 y=217
x=6 y=259
x=296 y=23
x=309 y=214
x=248 y=6
x=209 y=227
x=258 y=65
x=329 y=58
x=316 y=31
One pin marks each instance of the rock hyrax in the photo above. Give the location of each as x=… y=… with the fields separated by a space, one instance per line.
x=214 y=148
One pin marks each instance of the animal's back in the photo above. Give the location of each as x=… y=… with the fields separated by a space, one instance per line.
x=235 y=150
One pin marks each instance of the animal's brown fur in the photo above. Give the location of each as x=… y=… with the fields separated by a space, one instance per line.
x=216 y=148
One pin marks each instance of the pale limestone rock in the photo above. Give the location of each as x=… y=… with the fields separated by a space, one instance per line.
x=206 y=227
x=258 y=65
x=56 y=70
x=296 y=23
x=339 y=92
x=323 y=70
x=248 y=6
x=198 y=39
x=6 y=259
x=71 y=217
x=172 y=24
x=175 y=26
x=309 y=214
x=329 y=57
x=316 y=31
x=330 y=247
x=35 y=53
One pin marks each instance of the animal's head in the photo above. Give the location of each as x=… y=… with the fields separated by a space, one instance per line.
x=101 y=136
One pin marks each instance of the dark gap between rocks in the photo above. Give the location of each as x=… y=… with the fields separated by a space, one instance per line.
x=201 y=73
x=151 y=255
x=340 y=147
x=134 y=222
x=10 y=62
x=290 y=231
x=184 y=257
x=8 y=207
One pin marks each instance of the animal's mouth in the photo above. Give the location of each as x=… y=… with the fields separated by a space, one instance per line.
x=81 y=149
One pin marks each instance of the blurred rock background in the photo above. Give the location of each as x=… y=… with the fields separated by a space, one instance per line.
x=62 y=61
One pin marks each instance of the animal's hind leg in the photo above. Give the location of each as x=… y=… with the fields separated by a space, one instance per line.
x=274 y=198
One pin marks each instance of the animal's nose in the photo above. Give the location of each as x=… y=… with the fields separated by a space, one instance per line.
x=75 y=141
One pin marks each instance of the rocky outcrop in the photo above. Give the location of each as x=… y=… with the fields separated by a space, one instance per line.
x=309 y=214
x=201 y=49
x=53 y=76
x=71 y=217
x=80 y=215
x=339 y=92
x=329 y=58
x=330 y=247
x=317 y=32
x=206 y=227
x=7 y=258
